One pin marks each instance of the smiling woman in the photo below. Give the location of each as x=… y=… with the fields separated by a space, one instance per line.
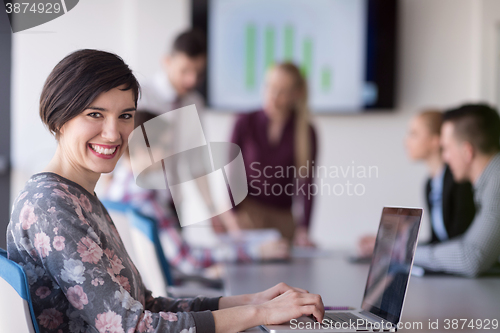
x=88 y=103
x=80 y=275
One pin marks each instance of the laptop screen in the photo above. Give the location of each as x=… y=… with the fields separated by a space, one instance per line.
x=391 y=262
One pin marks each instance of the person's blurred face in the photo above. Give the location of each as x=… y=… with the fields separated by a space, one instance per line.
x=457 y=153
x=280 y=94
x=420 y=142
x=184 y=72
x=95 y=139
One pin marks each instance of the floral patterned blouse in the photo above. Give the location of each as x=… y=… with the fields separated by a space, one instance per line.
x=80 y=275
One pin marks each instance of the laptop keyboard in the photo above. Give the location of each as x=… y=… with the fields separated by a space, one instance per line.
x=342 y=317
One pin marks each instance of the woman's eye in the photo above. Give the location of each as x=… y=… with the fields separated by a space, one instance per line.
x=94 y=114
x=126 y=116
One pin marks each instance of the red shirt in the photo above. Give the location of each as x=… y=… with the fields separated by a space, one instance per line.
x=270 y=168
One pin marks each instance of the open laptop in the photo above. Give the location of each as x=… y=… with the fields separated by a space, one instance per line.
x=386 y=284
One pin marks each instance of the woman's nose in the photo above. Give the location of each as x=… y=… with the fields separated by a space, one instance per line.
x=110 y=131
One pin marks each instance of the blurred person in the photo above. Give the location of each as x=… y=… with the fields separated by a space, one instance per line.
x=471 y=147
x=450 y=205
x=182 y=68
x=174 y=87
x=278 y=144
x=156 y=205
x=80 y=276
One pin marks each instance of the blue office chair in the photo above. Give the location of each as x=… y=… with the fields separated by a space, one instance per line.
x=147 y=228
x=151 y=256
x=118 y=213
x=16 y=309
x=140 y=237
x=148 y=255
x=115 y=206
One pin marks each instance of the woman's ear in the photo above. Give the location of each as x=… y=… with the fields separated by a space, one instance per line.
x=58 y=132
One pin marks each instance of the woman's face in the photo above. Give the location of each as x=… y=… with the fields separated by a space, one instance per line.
x=420 y=143
x=96 y=138
x=280 y=94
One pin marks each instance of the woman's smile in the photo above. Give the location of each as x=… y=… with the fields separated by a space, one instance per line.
x=103 y=151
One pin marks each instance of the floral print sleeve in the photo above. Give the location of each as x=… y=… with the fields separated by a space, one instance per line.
x=80 y=275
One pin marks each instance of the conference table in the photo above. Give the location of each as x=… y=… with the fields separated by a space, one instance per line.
x=436 y=299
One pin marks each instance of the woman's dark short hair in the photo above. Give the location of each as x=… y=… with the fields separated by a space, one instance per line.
x=478 y=124
x=77 y=80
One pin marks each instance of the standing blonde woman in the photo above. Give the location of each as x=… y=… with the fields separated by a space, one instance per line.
x=80 y=276
x=278 y=145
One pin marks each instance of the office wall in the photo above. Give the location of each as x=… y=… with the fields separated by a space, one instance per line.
x=440 y=55
x=490 y=51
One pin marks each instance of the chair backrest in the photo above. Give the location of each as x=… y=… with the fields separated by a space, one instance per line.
x=16 y=309
x=151 y=260
x=118 y=213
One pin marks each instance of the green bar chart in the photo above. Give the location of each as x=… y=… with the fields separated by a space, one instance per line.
x=326 y=78
x=250 y=68
x=325 y=39
x=263 y=44
x=269 y=47
x=288 y=43
x=307 y=57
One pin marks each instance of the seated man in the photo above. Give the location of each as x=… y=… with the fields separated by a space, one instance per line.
x=471 y=147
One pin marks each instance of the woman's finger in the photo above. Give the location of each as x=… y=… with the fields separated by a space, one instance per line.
x=314 y=311
x=311 y=299
x=301 y=290
x=282 y=287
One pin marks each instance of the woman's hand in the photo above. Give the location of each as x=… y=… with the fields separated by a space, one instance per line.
x=366 y=245
x=273 y=292
x=275 y=305
x=289 y=305
x=257 y=298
